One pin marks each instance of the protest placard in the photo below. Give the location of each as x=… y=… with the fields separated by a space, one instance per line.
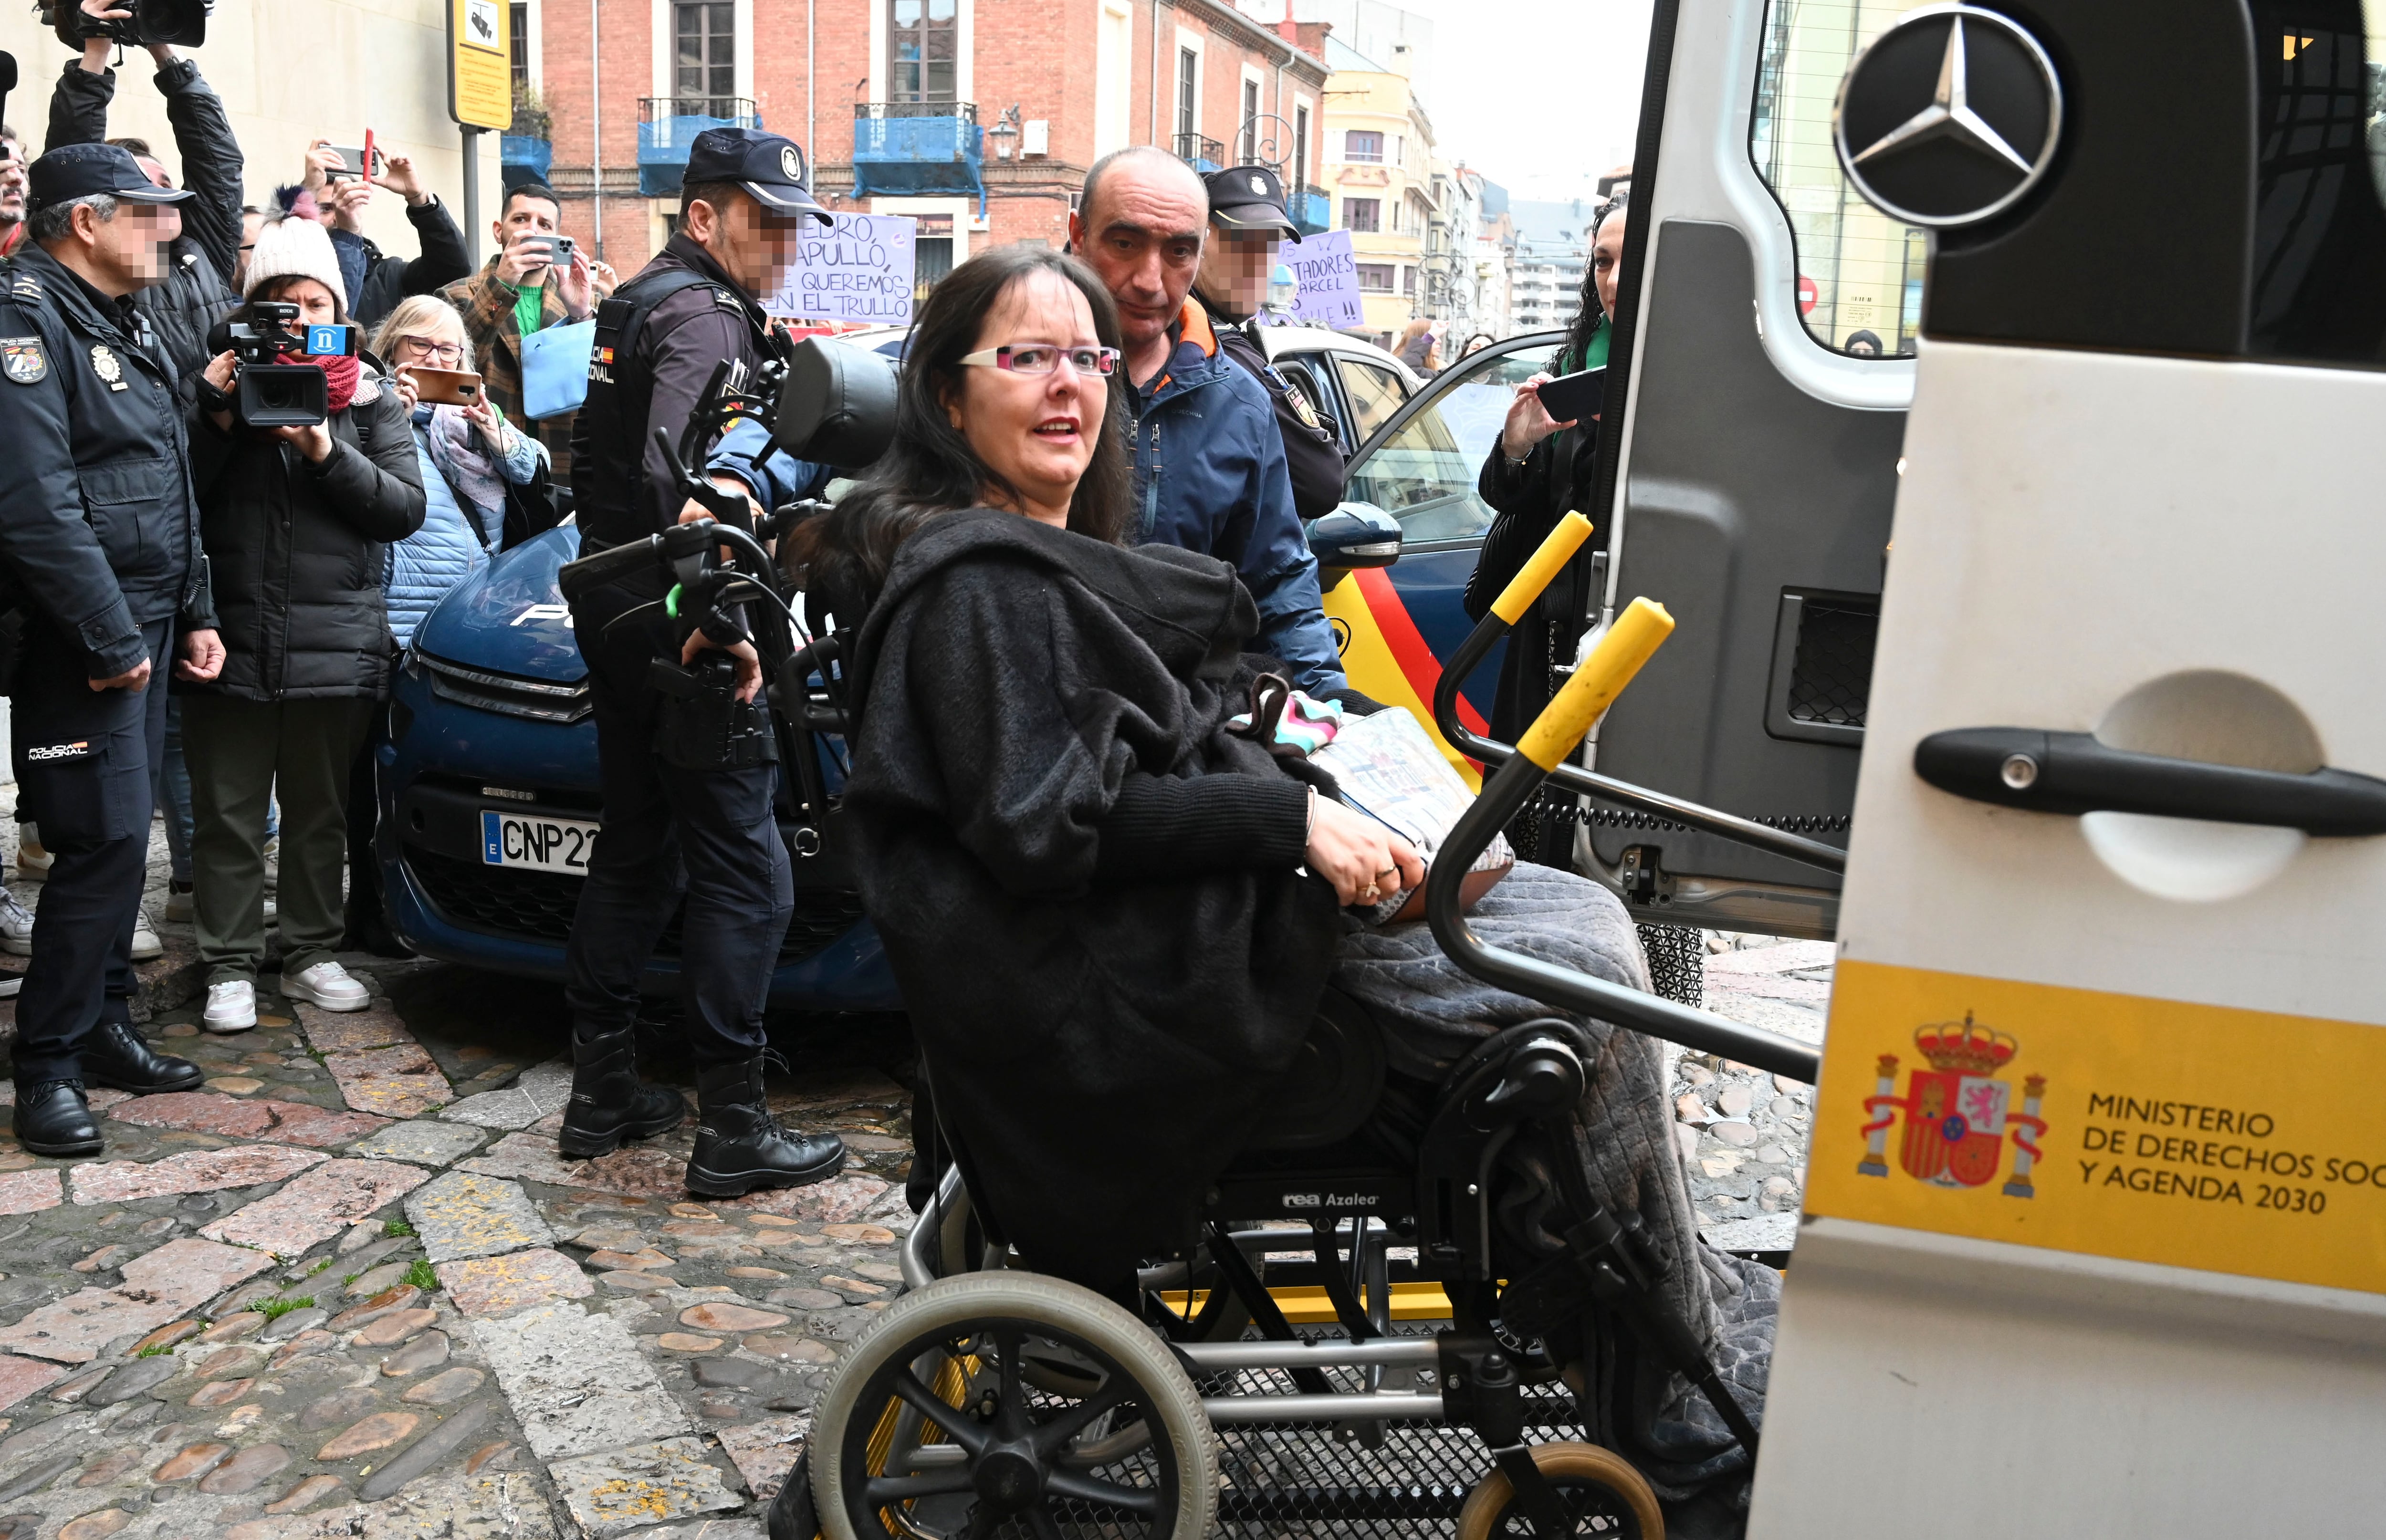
x=1328 y=276
x=856 y=269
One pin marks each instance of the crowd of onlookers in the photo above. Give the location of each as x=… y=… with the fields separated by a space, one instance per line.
x=326 y=543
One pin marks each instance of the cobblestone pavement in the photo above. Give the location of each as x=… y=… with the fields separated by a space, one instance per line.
x=1744 y=1132
x=350 y=1288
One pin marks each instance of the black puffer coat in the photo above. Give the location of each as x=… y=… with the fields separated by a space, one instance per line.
x=297 y=549
x=197 y=291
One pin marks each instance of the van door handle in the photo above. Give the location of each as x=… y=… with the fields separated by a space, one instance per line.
x=2072 y=772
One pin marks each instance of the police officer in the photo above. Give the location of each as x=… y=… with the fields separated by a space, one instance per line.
x=677 y=816
x=1246 y=220
x=89 y=414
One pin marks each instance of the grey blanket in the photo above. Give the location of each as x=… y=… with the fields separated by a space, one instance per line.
x=1624 y=1140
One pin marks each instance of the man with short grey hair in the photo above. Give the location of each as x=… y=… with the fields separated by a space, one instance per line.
x=89 y=413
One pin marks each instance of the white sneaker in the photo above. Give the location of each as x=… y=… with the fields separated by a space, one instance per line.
x=32 y=859
x=232 y=1006
x=16 y=925
x=146 y=946
x=327 y=985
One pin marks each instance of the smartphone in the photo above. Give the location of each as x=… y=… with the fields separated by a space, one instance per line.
x=352 y=158
x=370 y=161
x=559 y=248
x=1574 y=397
x=446 y=387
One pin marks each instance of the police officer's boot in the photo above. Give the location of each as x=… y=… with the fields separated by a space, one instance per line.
x=53 y=1119
x=608 y=1102
x=115 y=1054
x=739 y=1146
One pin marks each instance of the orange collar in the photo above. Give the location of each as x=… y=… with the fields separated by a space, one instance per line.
x=1194 y=326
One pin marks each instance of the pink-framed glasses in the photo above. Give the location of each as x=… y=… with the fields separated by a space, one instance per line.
x=1044 y=357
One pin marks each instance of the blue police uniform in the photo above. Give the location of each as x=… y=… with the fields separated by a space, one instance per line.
x=99 y=552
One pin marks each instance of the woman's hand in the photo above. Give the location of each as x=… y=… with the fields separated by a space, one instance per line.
x=410 y=390
x=1528 y=421
x=314 y=439
x=483 y=416
x=1366 y=862
x=603 y=279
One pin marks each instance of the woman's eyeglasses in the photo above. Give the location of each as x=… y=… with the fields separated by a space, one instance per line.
x=1043 y=359
x=445 y=353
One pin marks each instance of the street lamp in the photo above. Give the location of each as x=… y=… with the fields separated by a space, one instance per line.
x=1004 y=131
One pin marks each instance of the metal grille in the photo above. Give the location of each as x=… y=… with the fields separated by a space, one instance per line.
x=540 y=700
x=1677 y=962
x=538 y=905
x=1393 y=1479
x=1831 y=678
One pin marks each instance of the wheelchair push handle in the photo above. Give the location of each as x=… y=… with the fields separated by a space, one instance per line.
x=1559 y=547
x=1629 y=642
x=1556 y=550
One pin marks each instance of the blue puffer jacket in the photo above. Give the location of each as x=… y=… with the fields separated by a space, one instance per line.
x=1210 y=476
x=455 y=541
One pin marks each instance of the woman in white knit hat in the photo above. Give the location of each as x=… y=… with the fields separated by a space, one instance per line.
x=297 y=520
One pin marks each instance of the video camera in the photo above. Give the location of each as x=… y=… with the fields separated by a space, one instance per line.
x=267 y=393
x=176 y=21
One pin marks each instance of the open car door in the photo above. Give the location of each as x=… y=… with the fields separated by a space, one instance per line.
x=1769 y=321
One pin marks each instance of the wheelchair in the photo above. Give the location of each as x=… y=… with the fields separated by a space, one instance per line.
x=1355 y=1340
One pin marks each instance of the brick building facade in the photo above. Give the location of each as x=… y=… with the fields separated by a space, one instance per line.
x=978 y=117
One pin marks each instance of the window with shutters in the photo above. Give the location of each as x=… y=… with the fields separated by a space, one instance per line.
x=1363 y=215
x=1364 y=145
x=704 y=80
x=1188 y=79
x=923 y=42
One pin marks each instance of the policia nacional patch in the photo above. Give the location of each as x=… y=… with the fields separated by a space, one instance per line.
x=22 y=360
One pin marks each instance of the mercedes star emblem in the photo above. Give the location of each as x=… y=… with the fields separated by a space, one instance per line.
x=1949 y=117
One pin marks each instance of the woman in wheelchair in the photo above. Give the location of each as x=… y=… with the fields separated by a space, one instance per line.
x=1121 y=937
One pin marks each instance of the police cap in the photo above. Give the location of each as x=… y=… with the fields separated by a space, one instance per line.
x=1249 y=197
x=769 y=166
x=73 y=172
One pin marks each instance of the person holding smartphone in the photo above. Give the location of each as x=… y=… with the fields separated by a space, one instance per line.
x=379 y=281
x=523 y=290
x=1538 y=470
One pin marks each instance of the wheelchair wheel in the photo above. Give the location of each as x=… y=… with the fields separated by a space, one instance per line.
x=1011 y=1404
x=1608 y=1499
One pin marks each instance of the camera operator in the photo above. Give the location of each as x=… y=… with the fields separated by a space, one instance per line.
x=89 y=413
x=197 y=291
x=676 y=817
x=300 y=518
x=380 y=282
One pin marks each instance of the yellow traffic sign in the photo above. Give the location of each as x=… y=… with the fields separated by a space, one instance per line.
x=480 y=64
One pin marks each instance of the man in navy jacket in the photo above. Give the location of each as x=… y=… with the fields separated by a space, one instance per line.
x=1209 y=471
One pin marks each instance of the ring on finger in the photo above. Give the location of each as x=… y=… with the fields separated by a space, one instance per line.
x=1370 y=894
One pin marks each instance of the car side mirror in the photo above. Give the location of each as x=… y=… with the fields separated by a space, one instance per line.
x=1356 y=534
x=837 y=405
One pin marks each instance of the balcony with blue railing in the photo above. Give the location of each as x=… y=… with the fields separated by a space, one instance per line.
x=1203 y=155
x=668 y=127
x=1312 y=209
x=909 y=149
